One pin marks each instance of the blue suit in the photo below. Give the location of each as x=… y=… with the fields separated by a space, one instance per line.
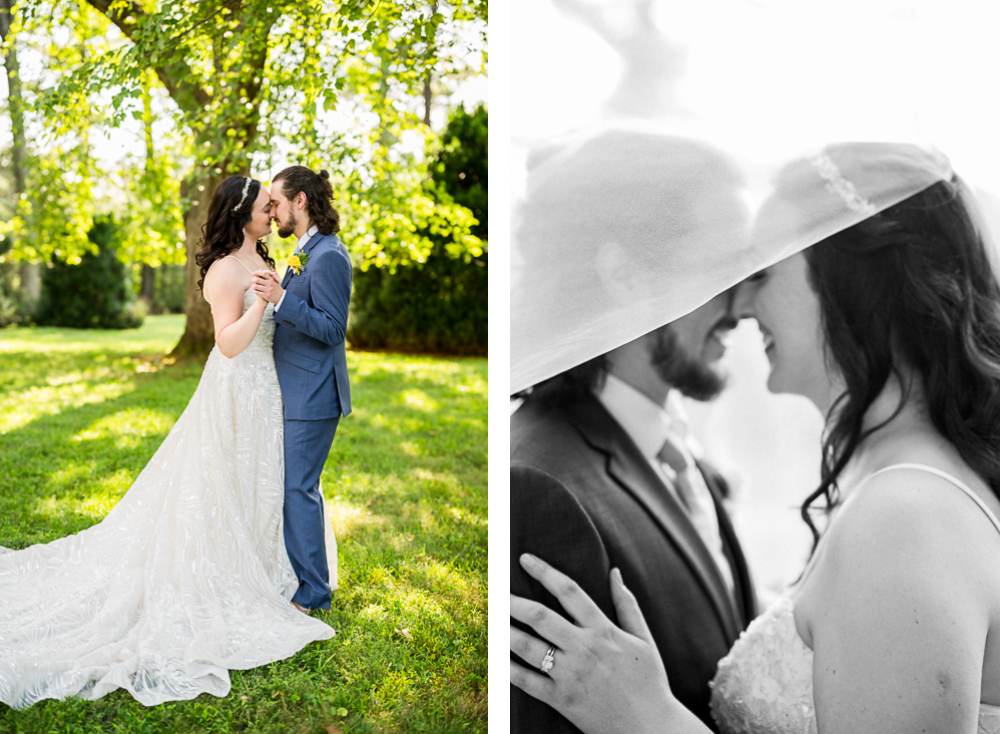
x=311 y=361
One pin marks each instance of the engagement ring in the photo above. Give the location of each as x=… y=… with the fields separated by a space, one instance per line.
x=549 y=660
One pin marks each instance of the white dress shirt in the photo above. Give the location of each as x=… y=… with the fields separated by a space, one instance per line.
x=298 y=248
x=649 y=425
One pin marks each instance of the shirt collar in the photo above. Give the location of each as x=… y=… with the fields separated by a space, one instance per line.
x=645 y=422
x=676 y=415
x=305 y=238
x=680 y=424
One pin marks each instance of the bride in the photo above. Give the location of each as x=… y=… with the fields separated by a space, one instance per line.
x=891 y=327
x=187 y=577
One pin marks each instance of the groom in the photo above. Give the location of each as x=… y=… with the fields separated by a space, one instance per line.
x=603 y=471
x=310 y=313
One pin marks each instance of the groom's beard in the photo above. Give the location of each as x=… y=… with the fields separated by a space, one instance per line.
x=683 y=371
x=287 y=230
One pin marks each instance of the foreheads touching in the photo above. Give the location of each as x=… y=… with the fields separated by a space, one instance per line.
x=302 y=198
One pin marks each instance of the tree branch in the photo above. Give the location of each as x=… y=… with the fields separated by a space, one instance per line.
x=176 y=75
x=252 y=76
x=231 y=5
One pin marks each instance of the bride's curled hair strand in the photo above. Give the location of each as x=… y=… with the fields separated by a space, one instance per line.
x=914 y=286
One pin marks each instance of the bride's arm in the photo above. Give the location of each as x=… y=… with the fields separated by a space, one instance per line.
x=603 y=679
x=226 y=282
x=898 y=611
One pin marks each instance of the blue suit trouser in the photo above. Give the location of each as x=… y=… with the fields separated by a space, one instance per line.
x=307 y=444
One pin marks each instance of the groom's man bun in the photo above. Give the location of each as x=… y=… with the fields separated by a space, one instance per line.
x=319 y=195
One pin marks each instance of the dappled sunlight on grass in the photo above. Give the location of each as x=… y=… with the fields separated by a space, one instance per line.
x=463 y=516
x=156 y=335
x=69 y=379
x=403 y=606
x=95 y=504
x=126 y=426
x=81 y=413
x=69 y=475
x=420 y=400
x=396 y=685
x=346 y=518
x=437 y=479
x=18 y=410
x=411 y=448
x=434 y=575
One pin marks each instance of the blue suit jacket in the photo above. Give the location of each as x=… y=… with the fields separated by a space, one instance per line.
x=309 y=351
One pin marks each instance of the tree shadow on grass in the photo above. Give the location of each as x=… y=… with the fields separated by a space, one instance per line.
x=406 y=480
x=412 y=448
x=408 y=469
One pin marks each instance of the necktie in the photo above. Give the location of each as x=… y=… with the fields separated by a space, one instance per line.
x=697 y=499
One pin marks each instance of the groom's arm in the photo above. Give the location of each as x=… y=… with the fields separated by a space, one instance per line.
x=548 y=521
x=330 y=290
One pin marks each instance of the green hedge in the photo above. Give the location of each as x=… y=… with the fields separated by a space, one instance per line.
x=439 y=308
x=95 y=294
x=170 y=293
x=441 y=305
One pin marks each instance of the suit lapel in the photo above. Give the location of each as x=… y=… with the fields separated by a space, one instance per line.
x=307 y=247
x=628 y=467
x=312 y=241
x=746 y=601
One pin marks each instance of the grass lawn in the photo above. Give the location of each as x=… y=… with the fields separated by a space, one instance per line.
x=81 y=412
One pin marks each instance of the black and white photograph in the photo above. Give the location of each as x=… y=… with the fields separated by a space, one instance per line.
x=754 y=400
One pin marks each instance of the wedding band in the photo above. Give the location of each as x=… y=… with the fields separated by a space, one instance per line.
x=549 y=660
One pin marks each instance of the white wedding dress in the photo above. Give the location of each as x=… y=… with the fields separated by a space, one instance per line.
x=186 y=578
x=764 y=684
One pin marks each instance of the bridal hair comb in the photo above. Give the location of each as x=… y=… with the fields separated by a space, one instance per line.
x=246 y=187
x=840 y=186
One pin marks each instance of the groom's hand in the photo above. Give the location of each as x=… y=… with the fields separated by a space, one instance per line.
x=267 y=286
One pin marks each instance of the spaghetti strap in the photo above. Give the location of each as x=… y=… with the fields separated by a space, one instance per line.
x=240 y=262
x=205 y=296
x=949 y=478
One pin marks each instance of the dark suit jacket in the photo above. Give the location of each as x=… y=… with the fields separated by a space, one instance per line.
x=585 y=500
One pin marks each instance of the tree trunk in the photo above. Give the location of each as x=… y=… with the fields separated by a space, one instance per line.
x=147 y=291
x=428 y=93
x=199 y=333
x=428 y=98
x=27 y=272
x=31 y=283
x=15 y=102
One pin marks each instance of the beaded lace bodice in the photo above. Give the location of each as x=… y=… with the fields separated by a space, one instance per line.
x=764 y=684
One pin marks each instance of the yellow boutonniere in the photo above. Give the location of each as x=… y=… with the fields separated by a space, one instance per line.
x=298 y=262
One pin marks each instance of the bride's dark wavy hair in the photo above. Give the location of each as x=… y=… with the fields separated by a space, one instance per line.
x=222 y=232
x=913 y=286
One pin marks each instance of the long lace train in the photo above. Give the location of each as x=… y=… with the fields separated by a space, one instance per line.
x=186 y=578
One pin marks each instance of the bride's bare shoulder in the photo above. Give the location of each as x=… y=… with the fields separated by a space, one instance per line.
x=225 y=278
x=915 y=524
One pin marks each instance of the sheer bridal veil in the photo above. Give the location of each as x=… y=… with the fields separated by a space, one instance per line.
x=623 y=230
